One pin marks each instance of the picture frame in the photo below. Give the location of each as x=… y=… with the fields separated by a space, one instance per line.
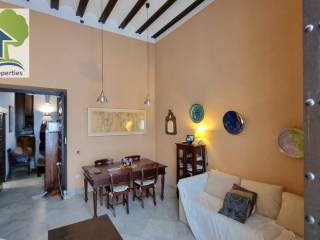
x=171 y=123
x=107 y=121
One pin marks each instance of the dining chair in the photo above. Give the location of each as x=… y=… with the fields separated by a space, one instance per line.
x=120 y=182
x=100 y=163
x=148 y=180
x=134 y=158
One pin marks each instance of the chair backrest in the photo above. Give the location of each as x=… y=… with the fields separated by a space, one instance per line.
x=103 y=162
x=134 y=158
x=121 y=176
x=150 y=172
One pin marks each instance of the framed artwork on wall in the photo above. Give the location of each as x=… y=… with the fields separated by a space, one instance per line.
x=171 y=124
x=106 y=121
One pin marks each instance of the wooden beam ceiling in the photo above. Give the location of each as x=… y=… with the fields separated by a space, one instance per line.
x=82 y=7
x=156 y=15
x=178 y=18
x=54 y=4
x=132 y=13
x=107 y=10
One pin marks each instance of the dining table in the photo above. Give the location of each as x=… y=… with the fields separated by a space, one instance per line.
x=99 y=176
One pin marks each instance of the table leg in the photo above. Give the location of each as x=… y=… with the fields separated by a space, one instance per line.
x=95 y=202
x=85 y=181
x=162 y=186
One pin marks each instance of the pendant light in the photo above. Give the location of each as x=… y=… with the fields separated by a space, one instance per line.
x=102 y=98
x=147 y=101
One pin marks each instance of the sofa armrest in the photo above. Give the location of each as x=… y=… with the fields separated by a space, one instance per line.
x=193 y=184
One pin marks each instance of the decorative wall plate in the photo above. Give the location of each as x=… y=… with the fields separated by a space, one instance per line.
x=196 y=113
x=291 y=142
x=233 y=122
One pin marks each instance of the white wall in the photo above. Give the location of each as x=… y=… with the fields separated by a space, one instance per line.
x=6 y=100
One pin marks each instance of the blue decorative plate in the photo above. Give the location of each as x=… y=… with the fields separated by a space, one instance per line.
x=233 y=122
x=196 y=113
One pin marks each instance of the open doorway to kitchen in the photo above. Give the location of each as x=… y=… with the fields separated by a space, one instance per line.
x=33 y=140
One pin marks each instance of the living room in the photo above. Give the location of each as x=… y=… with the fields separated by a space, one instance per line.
x=225 y=75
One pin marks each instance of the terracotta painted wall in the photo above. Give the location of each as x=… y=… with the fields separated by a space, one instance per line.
x=66 y=55
x=235 y=55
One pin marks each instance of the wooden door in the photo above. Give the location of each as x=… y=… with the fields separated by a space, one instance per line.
x=2 y=147
x=312 y=117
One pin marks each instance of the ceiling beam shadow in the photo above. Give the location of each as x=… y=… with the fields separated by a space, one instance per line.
x=82 y=7
x=54 y=4
x=132 y=13
x=178 y=18
x=107 y=10
x=156 y=15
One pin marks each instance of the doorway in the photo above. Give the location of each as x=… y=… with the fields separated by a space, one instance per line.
x=34 y=143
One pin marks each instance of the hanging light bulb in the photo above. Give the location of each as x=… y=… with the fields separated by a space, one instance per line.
x=102 y=98
x=147 y=101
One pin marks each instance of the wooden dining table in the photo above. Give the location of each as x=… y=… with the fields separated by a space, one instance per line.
x=101 y=179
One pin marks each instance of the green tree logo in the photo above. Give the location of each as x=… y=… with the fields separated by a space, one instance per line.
x=14 y=31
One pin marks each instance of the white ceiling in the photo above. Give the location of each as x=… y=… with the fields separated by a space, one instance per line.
x=67 y=10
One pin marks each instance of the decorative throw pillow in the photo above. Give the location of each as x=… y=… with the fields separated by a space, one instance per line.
x=246 y=193
x=236 y=207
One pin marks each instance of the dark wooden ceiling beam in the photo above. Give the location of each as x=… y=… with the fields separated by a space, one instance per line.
x=107 y=10
x=132 y=13
x=178 y=18
x=156 y=15
x=82 y=7
x=54 y=4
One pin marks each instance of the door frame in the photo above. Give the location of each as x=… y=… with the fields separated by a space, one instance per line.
x=52 y=92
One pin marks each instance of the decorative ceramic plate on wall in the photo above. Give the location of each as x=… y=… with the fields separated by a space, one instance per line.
x=196 y=113
x=233 y=122
x=291 y=142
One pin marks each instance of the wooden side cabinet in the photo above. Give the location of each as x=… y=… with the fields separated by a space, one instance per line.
x=191 y=160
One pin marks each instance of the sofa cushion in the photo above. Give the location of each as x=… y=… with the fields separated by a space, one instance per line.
x=291 y=214
x=245 y=192
x=269 y=197
x=219 y=183
x=236 y=206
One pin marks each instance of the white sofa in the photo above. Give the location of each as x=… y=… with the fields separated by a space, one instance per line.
x=199 y=210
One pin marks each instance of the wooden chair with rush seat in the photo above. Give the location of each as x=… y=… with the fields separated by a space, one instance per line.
x=148 y=180
x=99 y=163
x=120 y=183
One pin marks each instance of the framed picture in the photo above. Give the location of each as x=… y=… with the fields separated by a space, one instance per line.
x=171 y=124
x=106 y=121
x=11 y=122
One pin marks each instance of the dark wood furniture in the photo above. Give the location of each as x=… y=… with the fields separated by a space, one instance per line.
x=191 y=160
x=148 y=180
x=100 y=228
x=120 y=182
x=98 y=163
x=134 y=158
x=51 y=183
x=103 y=178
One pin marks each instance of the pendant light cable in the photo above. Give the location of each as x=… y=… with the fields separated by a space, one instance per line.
x=148 y=99
x=101 y=50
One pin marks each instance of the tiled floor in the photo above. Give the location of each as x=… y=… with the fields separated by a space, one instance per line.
x=21 y=217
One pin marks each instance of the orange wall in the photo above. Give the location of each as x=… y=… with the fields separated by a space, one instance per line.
x=66 y=55
x=235 y=55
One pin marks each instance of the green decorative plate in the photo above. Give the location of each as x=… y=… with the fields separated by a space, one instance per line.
x=196 y=113
x=291 y=142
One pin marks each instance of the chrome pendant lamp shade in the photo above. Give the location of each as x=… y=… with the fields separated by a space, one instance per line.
x=148 y=101
x=102 y=97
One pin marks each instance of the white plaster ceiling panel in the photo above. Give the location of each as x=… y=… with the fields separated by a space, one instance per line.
x=67 y=10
